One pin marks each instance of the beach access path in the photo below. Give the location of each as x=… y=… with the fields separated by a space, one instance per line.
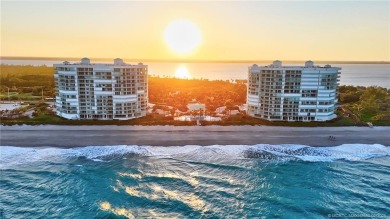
x=76 y=136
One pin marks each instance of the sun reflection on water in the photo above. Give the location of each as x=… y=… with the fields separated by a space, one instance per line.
x=182 y=72
x=106 y=206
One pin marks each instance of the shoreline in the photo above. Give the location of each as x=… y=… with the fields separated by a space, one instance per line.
x=80 y=136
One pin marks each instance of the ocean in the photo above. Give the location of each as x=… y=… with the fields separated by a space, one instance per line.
x=219 y=181
x=351 y=74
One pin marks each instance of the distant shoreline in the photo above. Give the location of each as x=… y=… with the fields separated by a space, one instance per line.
x=187 y=61
x=78 y=136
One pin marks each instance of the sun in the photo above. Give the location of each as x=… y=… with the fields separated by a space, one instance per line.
x=182 y=72
x=182 y=36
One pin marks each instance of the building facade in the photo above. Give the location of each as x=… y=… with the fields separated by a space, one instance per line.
x=101 y=91
x=293 y=93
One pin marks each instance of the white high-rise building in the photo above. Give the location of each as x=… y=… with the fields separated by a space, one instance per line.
x=293 y=93
x=101 y=91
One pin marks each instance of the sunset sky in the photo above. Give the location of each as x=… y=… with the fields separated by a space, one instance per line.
x=288 y=30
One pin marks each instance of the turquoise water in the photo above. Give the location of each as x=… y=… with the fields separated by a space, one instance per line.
x=259 y=181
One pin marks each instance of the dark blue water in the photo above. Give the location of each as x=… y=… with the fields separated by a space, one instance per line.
x=260 y=181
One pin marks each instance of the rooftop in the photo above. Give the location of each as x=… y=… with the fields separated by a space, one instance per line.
x=278 y=64
x=87 y=61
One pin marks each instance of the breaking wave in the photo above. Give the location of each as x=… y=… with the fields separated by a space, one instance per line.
x=10 y=155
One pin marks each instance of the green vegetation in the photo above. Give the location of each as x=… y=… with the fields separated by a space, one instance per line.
x=47 y=117
x=247 y=120
x=358 y=105
x=19 y=96
x=368 y=104
x=26 y=79
x=179 y=92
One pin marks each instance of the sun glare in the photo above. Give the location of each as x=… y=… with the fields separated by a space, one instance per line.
x=182 y=72
x=182 y=36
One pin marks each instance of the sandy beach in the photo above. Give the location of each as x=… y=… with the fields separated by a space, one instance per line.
x=75 y=136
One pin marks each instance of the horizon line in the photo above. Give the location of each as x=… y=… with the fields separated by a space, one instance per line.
x=187 y=60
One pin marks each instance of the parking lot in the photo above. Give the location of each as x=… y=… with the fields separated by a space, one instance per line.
x=10 y=106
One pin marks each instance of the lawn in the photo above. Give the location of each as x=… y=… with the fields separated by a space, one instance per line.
x=19 y=96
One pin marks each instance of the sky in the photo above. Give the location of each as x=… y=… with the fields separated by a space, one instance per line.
x=230 y=30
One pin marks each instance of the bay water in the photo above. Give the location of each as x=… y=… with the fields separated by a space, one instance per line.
x=351 y=74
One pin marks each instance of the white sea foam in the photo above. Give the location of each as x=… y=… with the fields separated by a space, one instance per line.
x=10 y=156
x=350 y=152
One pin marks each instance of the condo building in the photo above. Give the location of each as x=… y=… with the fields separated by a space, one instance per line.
x=101 y=91
x=293 y=93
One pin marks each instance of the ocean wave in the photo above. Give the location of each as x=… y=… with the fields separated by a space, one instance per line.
x=10 y=155
x=351 y=152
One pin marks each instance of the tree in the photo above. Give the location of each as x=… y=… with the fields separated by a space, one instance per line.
x=372 y=100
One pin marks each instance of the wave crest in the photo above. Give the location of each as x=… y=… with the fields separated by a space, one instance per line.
x=20 y=155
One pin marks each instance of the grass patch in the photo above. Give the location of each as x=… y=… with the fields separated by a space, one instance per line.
x=19 y=96
x=367 y=117
x=381 y=123
x=47 y=119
